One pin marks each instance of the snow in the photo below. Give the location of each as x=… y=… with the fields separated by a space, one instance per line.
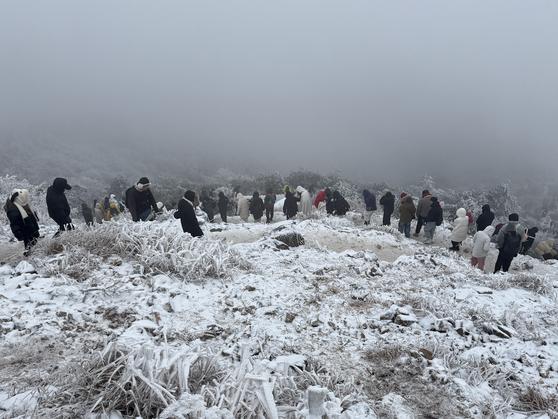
x=384 y=325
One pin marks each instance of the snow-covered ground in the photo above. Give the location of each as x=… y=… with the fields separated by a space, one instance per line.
x=140 y=320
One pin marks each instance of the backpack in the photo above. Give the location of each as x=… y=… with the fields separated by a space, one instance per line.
x=512 y=243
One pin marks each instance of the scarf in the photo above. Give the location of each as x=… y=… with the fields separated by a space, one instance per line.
x=20 y=198
x=142 y=187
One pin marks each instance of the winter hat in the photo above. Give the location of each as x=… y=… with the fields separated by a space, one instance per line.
x=403 y=195
x=513 y=217
x=144 y=181
x=190 y=196
x=425 y=193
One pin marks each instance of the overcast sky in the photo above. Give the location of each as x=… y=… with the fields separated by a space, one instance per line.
x=382 y=90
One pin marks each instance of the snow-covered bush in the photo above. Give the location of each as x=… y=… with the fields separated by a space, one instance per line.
x=154 y=246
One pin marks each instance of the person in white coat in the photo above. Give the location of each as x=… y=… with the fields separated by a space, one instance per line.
x=481 y=247
x=305 y=201
x=460 y=229
x=243 y=207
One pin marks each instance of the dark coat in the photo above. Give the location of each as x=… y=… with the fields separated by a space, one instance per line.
x=269 y=201
x=340 y=204
x=223 y=204
x=388 y=202
x=23 y=229
x=208 y=206
x=57 y=203
x=369 y=200
x=257 y=207
x=188 y=218
x=485 y=219
x=436 y=213
x=138 y=202
x=290 y=206
x=407 y=210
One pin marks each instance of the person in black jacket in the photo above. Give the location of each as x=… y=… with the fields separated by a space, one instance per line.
x=257 y=207
x=340 y=204
x=434 y=218
x=208 y=205
x=187 y=215
x=140 y=201
x=269 y=202
x=87 y=213
x=23 y=220
x=527 y=244
x=290 y=206
x=388 y=202
x=57 y=204
x=223 y=205
x=485 y=219
x=370 y=203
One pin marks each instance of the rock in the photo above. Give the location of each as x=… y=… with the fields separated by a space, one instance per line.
x=25 y=267
x=291 y=239
x=405 y=319
x=6 y=270
x=250 y=288
x=483 y=290
x=215 y=230
x=426 y=354
x=289 y=317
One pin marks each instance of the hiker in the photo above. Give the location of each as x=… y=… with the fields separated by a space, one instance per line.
x=370 y=204
x=527 y=244
x=423 y=208
x=388 y=202
x=340 y=204
x=24 y=222
x=485 y=219
x=290 y=206
x=320 y=197
x=330 y=204
x=208 y=205
x=108 y=208
x=57 y=204
x=140 y=201
x=434 y=218
x=187 y=214
x=257 y=207
x=407 y=213
x=481 y=247
x=242 y=207
x=305 y=201
x=460 y=229
x=87 y=213
x=223 y=204
x=269 y=203
x=509 y=242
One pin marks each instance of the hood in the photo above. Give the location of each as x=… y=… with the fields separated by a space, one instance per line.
x=190 y=196
x=60 y=185
x=300 y=189
x=461 y=212
x=407 y=199
x=256 y=195
x=20 y=197
x=336 y=195
x=485 y=209
x=489 y=230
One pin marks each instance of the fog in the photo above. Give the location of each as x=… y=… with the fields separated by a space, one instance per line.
x=374 y=90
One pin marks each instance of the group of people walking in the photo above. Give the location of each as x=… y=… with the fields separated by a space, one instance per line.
x=510 y=239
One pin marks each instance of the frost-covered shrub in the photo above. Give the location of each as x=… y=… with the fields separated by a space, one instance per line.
x=155 y=246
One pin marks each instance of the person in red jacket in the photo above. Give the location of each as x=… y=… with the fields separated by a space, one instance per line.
x=321 y=197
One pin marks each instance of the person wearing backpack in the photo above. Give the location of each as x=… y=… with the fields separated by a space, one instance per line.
x=509 y=242
x=370 y=203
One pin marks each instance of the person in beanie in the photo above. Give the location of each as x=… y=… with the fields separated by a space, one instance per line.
x=269 y=202
x=57 y=204
x=370 y=204
x=481 y=247
x=140 y=201
x=509 y=242
x=223 y=205
x=434 y=218
x=388 y=202
x=187 y=215
x=485 y=219
x=423 y=208
x=23 y=220
x=460 y=229
x=257 y=207
x=407 y=213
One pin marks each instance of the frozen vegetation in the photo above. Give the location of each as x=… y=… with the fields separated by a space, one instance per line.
x=138 y=319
